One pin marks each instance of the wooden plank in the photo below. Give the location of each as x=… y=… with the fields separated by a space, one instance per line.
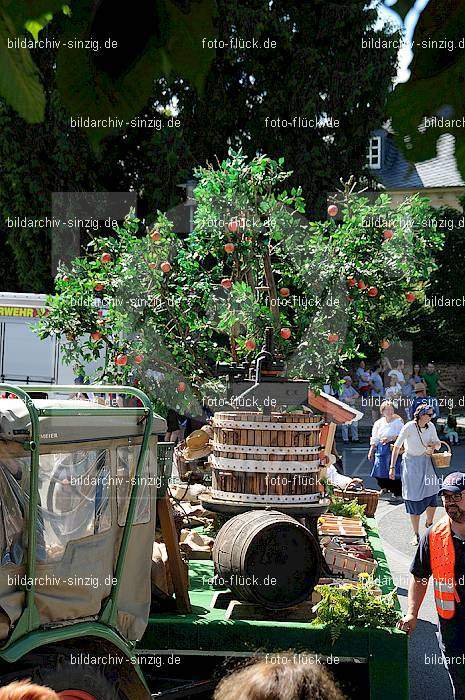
x=328 y=447
x=177 y=566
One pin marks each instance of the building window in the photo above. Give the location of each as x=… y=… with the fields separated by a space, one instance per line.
x=374 y=153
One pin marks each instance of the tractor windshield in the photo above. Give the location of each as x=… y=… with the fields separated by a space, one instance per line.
x=73 y=502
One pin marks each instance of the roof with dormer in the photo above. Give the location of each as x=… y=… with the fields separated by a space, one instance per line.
x=397 y=172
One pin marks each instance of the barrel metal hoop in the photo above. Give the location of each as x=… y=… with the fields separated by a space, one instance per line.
x=252 y=425
x=261 y=450
x=254 y=498
x=255 y=465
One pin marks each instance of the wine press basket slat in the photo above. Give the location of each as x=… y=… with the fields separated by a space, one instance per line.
x=260 y=458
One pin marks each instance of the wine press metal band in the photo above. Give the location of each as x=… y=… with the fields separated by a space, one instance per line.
x=255 y=465
x=260 y=450
x=253 y=425
x=253 y=498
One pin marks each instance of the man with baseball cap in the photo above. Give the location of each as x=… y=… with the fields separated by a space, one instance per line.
x=441 y=554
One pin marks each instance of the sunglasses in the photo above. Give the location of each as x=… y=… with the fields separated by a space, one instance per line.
x=452 y=497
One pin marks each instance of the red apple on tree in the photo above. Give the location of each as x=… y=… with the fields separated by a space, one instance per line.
x=155 y=236
x=284 y=291
x=410 y=296
x=152 y=265
x=138 y=359
x=250 y=344
x=351 y=281
x=388 y=234
x=385 y=344
x=226 y=283
x=229 y=247
x=96 y=335
x=233 y=226
x=361 y=284
x=99 y=287
x=165 y=267
x=121 y=360
x=181 y=387
x=285 y=333
x=372 y=291
x=105 y=257
x=332 y=210
x=333 y=338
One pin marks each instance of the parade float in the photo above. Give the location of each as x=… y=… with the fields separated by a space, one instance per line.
x=238 y=327
x=82 y=484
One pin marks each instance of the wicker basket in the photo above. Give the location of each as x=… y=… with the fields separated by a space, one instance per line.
x=363 y=496
x=441 y=460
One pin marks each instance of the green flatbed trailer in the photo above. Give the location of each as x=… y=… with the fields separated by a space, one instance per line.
x=206 y=633
x=33 y=644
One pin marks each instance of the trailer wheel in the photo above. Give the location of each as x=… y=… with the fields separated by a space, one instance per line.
x=76 y=682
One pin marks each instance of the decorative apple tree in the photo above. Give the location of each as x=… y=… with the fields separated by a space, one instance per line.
x=164 y=310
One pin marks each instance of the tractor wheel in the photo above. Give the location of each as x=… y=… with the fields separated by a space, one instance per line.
x=77 y=682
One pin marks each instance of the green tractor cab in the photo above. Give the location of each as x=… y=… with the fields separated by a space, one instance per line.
x=78 y=493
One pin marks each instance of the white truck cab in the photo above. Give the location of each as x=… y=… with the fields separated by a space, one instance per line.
x=24 y=357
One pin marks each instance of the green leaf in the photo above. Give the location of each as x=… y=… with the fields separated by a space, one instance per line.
x=176 y=46
x=30 y=10
x=19 y=81
x=34 y=26
x=185 y=52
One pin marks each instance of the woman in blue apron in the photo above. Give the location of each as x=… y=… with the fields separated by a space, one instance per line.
x=384 y=433
x=420 y=485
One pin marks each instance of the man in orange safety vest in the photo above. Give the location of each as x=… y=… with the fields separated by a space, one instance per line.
x=441 y=554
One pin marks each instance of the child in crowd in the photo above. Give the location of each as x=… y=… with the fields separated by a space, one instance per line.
x=394 y=391
x=450 y=430
x=25 y=690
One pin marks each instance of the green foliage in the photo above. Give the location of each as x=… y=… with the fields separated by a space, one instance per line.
x=348 y=509
x=172 y=47
x=240 y=91
x=435 y=84
x=441 y=317
x=52 y=158
x=355 y=605
x=185 y=320
x=19 y=78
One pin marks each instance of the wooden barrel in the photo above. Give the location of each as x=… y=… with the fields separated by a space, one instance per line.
x=266 y=459
x=268 y=558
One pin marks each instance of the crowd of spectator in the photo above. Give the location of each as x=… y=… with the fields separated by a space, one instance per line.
x=367 y=387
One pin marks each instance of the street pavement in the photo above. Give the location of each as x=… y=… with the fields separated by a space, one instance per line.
x=427 y=681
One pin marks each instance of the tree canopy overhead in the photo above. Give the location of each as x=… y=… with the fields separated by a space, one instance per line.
x=317 y=69
x=166 y=310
